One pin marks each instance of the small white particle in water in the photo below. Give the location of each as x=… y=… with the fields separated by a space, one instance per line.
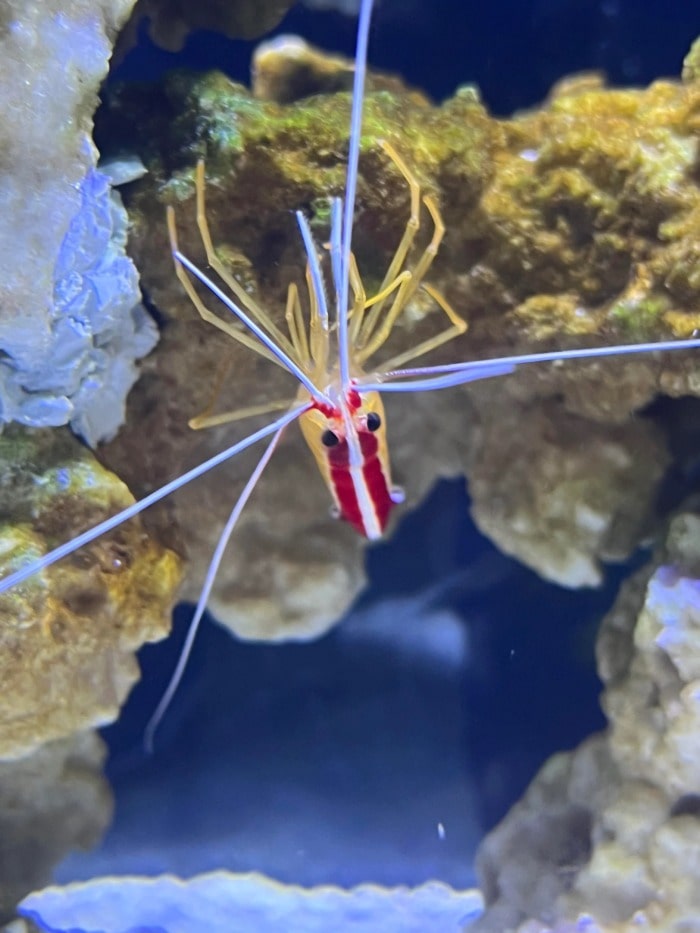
x=530 y=155
x=441 y=831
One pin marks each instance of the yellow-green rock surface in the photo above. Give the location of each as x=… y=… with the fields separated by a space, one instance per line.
x=69 y=633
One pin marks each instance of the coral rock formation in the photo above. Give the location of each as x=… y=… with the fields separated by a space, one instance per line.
x=51 y=801
x=287 y=68
x=257 y=902
x=170 y=21
x=69 y=633
x=70 y=322
x=572 y=224
x=608 y=835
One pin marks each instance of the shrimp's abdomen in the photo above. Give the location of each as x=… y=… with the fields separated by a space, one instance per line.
x=362 y=492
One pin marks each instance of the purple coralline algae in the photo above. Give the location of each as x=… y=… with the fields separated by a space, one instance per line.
x=224 y=901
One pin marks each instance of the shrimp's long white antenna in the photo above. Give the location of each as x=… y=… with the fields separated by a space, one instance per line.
x=453 y=374
x=315 y=268
x=358 y=90
x=212 y=571
x=336 y=245
x=287 y=361
x=110 y=523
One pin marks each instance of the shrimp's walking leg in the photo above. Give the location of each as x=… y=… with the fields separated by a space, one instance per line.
x=412 y=226
x=206 y=420
x=375 y=333
x=359 y=305
x=295 y=324
x=246 y=300
x=230 y=329
x=171 y=689
x=222 y=372
x=210 y=419
x=457 y=326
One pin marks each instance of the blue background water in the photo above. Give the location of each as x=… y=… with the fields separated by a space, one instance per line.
x=431 y=705
x=383 y=751
x=514 y=50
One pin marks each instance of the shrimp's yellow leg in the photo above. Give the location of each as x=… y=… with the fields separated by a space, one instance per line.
x=242 y=336
x=412 y=226
x=457 y=326
x=226 y=417
x=295 y=323
x=359 y=302
x=202 y=420
x=406 y=291
x=403 y=283
x=209 y=419
x=318 y=334
x=249 y=303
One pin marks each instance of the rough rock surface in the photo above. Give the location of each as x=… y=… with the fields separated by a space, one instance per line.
x=70 y=320
x=576 y=223
x=51 y=801
x=286 y=69
x=170 y=21
x=607 y=837
x=258 y=903
x=69 y=633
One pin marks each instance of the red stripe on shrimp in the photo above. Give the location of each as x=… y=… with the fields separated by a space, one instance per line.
x=375 y=478
x=373 y=490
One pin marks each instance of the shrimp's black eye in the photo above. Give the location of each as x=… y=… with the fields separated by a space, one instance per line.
x=329 y=439
x=374 y=422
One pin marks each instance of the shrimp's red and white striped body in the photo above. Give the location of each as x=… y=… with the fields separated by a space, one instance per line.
x=349 y=445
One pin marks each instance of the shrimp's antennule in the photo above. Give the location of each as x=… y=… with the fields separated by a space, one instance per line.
x=427 y=378
x=110 y=524
x=212 y=570
x=343 y=286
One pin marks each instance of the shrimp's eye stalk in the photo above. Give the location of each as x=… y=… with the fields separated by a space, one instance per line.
x=329 y=439
x=374 y=422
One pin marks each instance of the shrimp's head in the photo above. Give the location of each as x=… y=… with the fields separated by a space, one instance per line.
x=349 y=445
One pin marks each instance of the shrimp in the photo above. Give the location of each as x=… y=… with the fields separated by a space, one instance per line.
x=338 y=404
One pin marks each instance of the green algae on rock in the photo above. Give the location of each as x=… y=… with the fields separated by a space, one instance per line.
x=69 y=633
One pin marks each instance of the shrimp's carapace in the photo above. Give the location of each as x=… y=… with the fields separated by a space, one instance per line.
x=350 y=449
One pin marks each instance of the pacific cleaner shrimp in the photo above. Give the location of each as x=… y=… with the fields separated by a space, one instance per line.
x=333 y=351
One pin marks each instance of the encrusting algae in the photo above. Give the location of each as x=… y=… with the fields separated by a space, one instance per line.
x=68 y=635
